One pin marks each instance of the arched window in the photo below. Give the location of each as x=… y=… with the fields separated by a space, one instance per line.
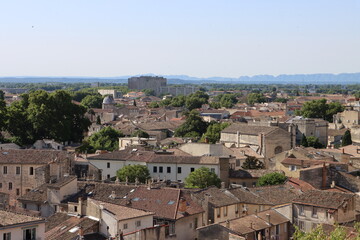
x=278 y=149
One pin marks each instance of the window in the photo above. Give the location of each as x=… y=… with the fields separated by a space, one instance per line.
x=292 y=168
x=301 y=225
x=24 y=205
x=108 y=165
x=244 y=184
x=301 y=210
x=38 y=207
x=138 y=223
x=237 y=162
x=5 y=169
x=0 y=185
x=218 y=212
x=28 y=190
x=125 y=226
x=212 y=170
x=108 y=176
x=168 y=169
x=225 y=211
x=190 y=225
x=179 y=169
x=75 y=208
x=17 y=192
x=10 y=185
x=196 y=223
x=55 y=208
x=314 y=212
x=17 y=170
x=154 y=169
x=192 y=169
x=254 y=184
x=160 y=169
x=236 y=208
x=29 y=234
x=7 y=236
x=277 y=229
x=31 y=171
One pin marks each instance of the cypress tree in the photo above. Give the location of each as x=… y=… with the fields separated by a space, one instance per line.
x=304 y=141
x=346 y=139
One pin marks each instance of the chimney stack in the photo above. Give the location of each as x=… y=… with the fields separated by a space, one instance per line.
x=222 y=185
x=182 y=205
x=80 y=206
x=113 y=195
x=227 y=224
x=81 y=233
x=324 y=171
x=268 y=217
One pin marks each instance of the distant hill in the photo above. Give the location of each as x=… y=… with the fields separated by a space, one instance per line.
x=343 y=78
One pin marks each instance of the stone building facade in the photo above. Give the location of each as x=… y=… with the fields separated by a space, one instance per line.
x=23 y=170
x=159 y=85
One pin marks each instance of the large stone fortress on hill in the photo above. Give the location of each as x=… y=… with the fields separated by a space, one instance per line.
x=159 y=85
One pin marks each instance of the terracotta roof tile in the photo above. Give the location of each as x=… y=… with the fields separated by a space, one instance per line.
x=27 y=156
x=325 y=199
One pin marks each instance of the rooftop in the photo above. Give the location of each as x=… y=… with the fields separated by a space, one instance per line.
x=326 y=199
x=8 y=218
x=31 y=156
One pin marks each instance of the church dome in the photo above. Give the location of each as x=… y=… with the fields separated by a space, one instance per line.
x=108 y=100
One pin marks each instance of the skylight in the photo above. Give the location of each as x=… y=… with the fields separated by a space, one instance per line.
x=171 y=202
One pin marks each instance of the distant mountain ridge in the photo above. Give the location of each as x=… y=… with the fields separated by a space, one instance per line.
x=321 y=78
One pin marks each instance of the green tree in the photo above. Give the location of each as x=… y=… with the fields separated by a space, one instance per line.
x=225 y=100
x=314 y=142
x=42 y=115
x=346 y=139
x=133 y=172
x=196 y=100
x=149 y=92
x=140 y=134
x=255 y=98
x=3 y=114
x=178 y=101
x=304 y=141
x=153 y=105
x=213 y=132
x=92 y=101
x=271 y=179
x=318 y=233
x=194 y=126
x=106 y=139
x=252 y=162
x=202 y=178
x=98 y=120
x=320 y=109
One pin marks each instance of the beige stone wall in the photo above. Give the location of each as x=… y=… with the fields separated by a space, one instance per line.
x=20 y=182
x=185 y=227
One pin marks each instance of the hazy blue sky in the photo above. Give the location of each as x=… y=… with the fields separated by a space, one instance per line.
x=201 y=38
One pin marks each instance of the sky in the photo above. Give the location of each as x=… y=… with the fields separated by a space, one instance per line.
x=200 y=38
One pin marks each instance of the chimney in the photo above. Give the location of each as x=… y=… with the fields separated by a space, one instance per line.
x=81 y=233
x=182 y=205
x=227 y=224
x=343 y=150
x=222 y=185
x=324 y=170
x=128 y=202
x=113 y=195
x=268 y=217
x=80 y=206
x=332 y=184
